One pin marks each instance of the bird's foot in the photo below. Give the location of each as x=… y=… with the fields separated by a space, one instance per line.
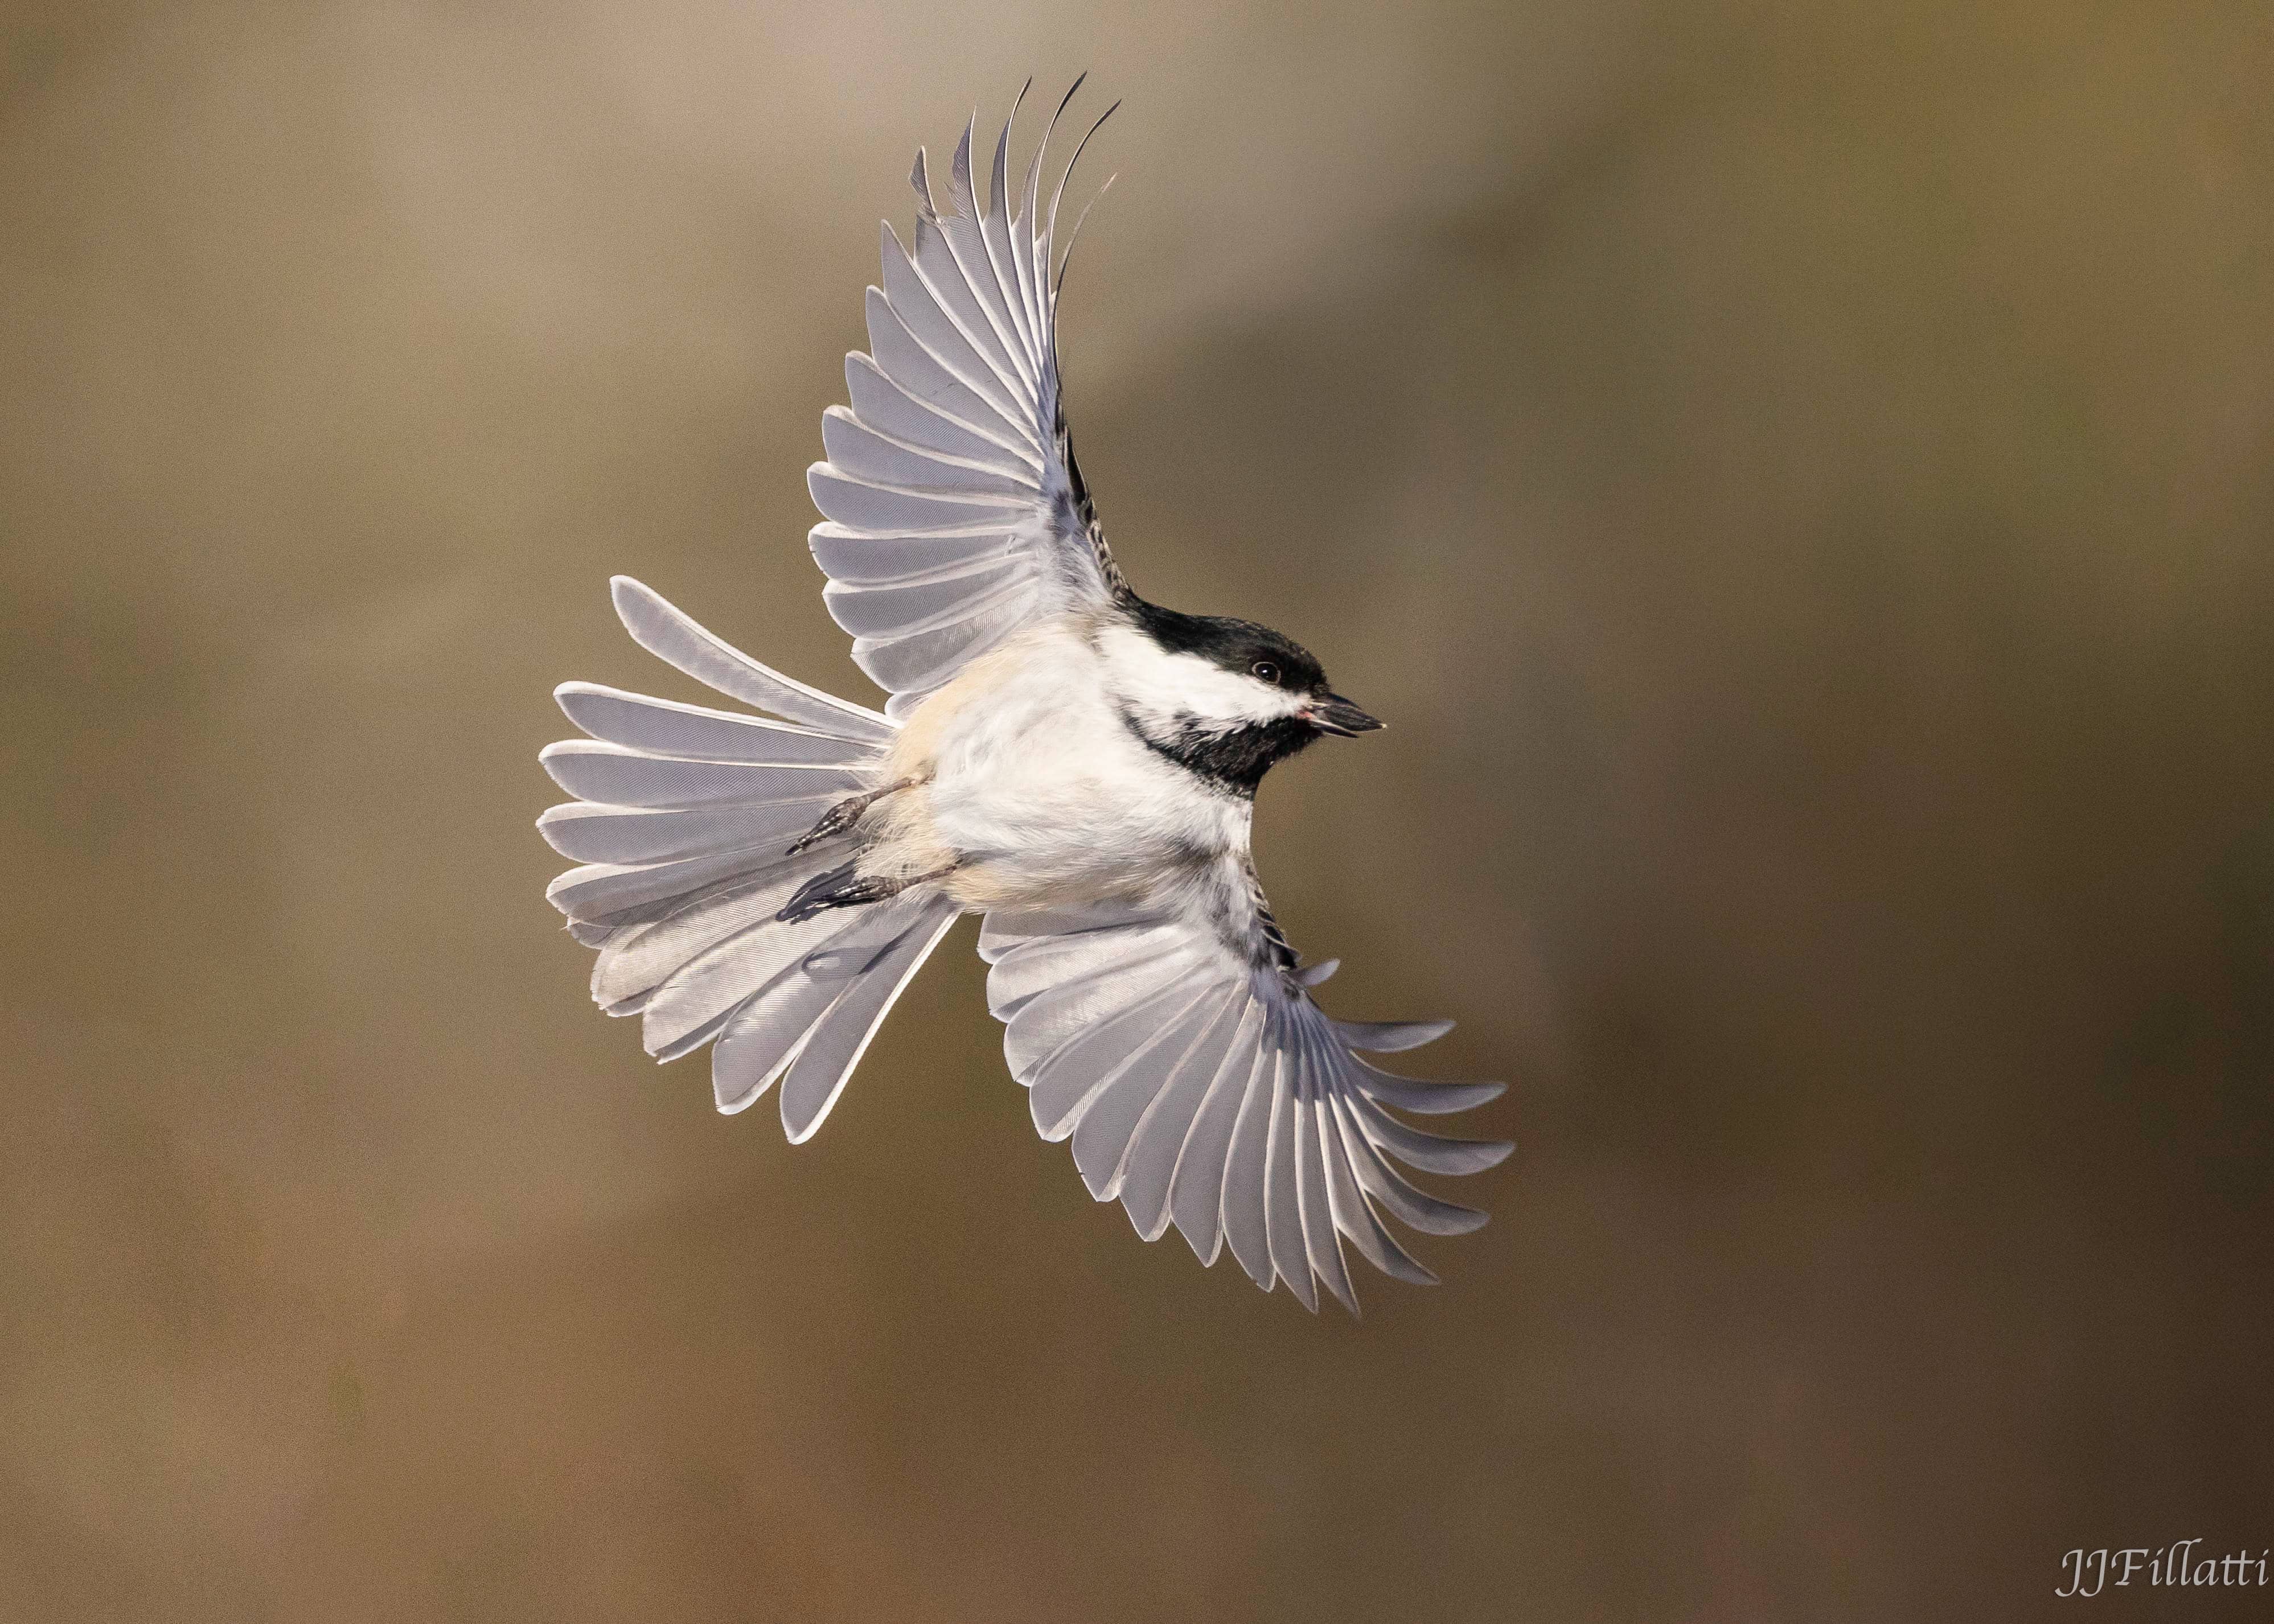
x=844 y=814
x=841 y=888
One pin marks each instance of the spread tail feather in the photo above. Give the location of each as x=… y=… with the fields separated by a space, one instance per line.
x=684 y=819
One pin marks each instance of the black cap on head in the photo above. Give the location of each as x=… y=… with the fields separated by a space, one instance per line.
x=1240 y=646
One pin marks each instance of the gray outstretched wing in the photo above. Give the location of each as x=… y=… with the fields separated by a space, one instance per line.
x=955 y=513
x=1201 y=1086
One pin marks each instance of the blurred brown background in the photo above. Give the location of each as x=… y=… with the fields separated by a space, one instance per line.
x=1800 y=480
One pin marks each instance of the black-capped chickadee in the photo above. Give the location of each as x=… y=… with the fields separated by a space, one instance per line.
x=1073 y=762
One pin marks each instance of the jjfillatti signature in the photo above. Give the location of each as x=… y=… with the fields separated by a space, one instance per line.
x=2090 y=1572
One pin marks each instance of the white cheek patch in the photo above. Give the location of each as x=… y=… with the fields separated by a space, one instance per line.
x=1164 y=686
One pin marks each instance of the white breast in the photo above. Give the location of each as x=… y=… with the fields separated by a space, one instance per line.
x=1036 y=782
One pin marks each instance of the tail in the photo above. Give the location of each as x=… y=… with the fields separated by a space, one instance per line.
x=683 y=819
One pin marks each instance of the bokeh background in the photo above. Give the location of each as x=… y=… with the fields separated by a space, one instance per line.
x=1800 y=480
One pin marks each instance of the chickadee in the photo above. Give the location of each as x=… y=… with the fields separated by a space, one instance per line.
x=1058 y=753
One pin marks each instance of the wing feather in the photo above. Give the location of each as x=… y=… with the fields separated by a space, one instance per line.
x=1157 y=1143
x=1283 y=1210
x=904 y=608
x=1041 y=1027
x=1196 y=1188
x=915 y=663
x=994 y=227
x=897 y=510
x=909 y=362
x=1071 y=1077
x=1103 y=1134
x=956 y=514
x=1432 y=1153
x=1202 y=1086
x=1413 y=1208
x=881 y=457
x=1388 y=1037
x=1074 y=960
x=1320 y=1238
x=891 y=408
x=967 y=237
x=1353 y=1214
x=862 y=558
x=982 y=365
x=934 y=262
x=1246 y=1224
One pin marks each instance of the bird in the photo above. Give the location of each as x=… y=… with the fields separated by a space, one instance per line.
x=1071 y=760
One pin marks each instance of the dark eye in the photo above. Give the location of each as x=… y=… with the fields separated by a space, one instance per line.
x=1265 y=671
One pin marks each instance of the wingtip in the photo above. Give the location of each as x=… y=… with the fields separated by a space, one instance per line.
x=1207 y=1259
x=958 y=167
x=998 y=202
x=1428 y=1097
x=920 y=182
x=1390 y=1037
x=798 y=1135
x=631 y=596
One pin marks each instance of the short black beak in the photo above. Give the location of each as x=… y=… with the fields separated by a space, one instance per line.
x=1334 y=714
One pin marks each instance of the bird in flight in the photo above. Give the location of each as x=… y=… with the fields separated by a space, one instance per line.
x=1076 y=763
